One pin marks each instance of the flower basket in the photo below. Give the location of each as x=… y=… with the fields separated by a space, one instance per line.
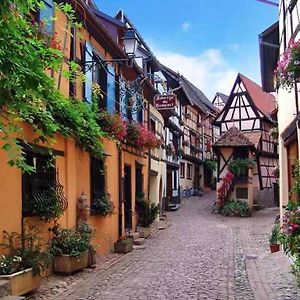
x=23 y=282
x=288 y=67
x=66 y=264
x=113 y=125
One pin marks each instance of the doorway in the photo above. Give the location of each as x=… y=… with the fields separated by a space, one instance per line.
x=128 y=197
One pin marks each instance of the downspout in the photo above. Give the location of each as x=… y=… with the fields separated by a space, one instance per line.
x=120 y=192
x=149 y=156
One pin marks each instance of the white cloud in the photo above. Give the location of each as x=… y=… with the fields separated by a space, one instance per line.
x=209 y=70
x=185 y=26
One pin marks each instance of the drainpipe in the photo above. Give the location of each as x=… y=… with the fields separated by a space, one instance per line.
x=120 y=192
x=149 y=156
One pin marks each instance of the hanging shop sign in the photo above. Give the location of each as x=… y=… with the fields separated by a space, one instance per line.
x=165 y=102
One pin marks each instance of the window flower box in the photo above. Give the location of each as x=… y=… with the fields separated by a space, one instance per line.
x=22 y=282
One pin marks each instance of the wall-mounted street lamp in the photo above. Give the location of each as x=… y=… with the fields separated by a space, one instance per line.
x=130 y=42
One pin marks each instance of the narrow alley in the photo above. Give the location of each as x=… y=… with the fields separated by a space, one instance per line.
x=199 y=256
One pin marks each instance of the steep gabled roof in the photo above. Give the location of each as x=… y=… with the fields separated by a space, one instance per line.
x=233 y=138
x=194 y=95
x=222 y=96
x=265 y=102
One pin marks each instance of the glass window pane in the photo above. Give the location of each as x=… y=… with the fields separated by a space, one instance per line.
x=111 y=93
x=88 y=72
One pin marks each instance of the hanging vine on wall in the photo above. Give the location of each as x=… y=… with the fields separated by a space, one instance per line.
x=28 y=94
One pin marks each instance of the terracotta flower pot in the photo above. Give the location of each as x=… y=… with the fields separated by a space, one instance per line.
x=274 y=248
x=22 y=282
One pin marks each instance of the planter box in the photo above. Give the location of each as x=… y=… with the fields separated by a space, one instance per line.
x=67 y=264
x=145 y=232
x=22 y=282
x=121 y=247
x=274 y=248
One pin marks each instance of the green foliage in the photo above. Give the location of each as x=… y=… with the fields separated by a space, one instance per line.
x=126 y=240
x=240 y=166
x=210 y=164
x=102 y=206
x=296 y=270
x=296 y=175
x=147 y=212
x=236 y=208
x=275 y=235
x=73 y=242
x=28 y=94
x=9 y=264
x=48 y=209
x=26 y=251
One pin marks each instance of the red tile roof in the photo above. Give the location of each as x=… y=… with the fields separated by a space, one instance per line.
x=265 y=102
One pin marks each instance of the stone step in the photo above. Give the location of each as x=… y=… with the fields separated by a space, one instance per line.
x=136 y=235
x=4 y=288
x=139 y=241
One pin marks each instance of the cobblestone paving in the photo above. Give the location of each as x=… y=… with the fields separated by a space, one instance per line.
x=200 y=256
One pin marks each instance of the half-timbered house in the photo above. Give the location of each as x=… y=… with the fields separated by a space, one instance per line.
x=219 y=101
x=250 y=110
x=198 y=133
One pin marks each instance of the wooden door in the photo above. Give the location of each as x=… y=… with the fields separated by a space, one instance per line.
x=128 y=198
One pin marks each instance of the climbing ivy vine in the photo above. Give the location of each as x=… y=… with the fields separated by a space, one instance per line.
x=28 y=94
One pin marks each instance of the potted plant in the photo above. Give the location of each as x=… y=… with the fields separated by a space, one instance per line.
x=274 y=239
x=288 y=67
x=70 y=248
x=180 y=152
x=147 y=213
x=25 y=262
x=274 y=133
x=124 y=245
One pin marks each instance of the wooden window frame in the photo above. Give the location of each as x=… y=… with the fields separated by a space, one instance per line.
x=182 y=170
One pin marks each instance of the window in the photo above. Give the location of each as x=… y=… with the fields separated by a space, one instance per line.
x=139 y=181
x=104 y=76
x=111 y=86
x=189 y=171
x=88 y=58
x=152 y=125
x=39 y=187
x=182 y=170
x=97 y=178
x=72 y=83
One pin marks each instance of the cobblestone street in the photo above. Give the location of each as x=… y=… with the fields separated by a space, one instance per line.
x=200 y=256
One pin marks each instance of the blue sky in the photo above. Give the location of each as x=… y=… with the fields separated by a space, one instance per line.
x=208 y=41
